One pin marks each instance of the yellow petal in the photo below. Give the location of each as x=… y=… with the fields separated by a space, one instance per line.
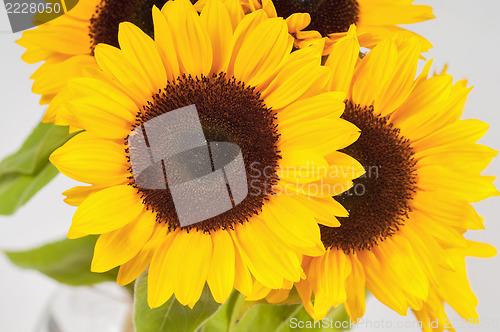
x=88 y=158
x=301 y=166
x=374 y=72
x=76 y=195
x=355 y=286
x=478 y=249
x=447 y=209
x=121 y=245
x=331 y=289
x=277 y=295
x=242 y=276
x=192 y=41
x=320 y=135
x=396 y=255
x=298 y=21
x=271 y=260
x=382 y=12
x=165 y=42
x=343 y=167
x=258 y=292
x=472 y=187
x=215 y=19
x=236 y=12
x=467 y=158
x=112 y=61
x=255 y=64
x=102 y=117
x=68 y=36
x=161 y=275
x=399 y=87
x=295 y=79
x=142 y=53
x=51 y=78
x=304 y=289
x=132 y=269
x=221 y=274
x=244 y=29
x=294 y=223
x=324 y=104
x=377 y=283
x=325 y=209
x=425 y=105
x=107 y=210
x=342 y=60
x=103 y=86
x=456 y=134
x=191 y=255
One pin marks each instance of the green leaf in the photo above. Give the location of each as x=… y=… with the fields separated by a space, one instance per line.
x=225 y=318
x=16 y=189
x=67 y=261
x=35 y=151
x=172 y=316
x=25 y=172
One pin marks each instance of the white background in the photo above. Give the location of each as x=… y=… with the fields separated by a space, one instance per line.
x=465 y=35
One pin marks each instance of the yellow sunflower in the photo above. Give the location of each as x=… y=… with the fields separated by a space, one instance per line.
x=67 y=43
x=403 y=238
x=311 y=20
x=248 y=89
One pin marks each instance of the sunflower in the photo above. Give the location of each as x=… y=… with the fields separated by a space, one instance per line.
x=311 y=20
x=403 y=238
x=270 y=102
x=67 y=43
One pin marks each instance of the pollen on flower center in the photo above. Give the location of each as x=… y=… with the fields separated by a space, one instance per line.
x=327 y=16
x=378 y=203
x=110 y=13
x=229 y=111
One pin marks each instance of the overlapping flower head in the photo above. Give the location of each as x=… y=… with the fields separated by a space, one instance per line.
x=311 y=20
x=67 y=43
x=249 y=89
x=403 y=238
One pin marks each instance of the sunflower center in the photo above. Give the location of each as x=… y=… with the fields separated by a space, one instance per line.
x=110 y=13
x=230 y=112
x=327 y=16
x=378 y=203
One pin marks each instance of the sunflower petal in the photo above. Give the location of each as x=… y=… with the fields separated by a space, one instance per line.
x=119 y=246
x=253 y=64
x=215 y=19
x=88 y=158
x=222 y=270
x=107 y=210
x=294 y=223
x=342 y=60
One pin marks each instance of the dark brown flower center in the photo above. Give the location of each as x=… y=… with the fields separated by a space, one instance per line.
x=378 y=203
x=229 y=111
x=110 y=13
x=327 y=16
